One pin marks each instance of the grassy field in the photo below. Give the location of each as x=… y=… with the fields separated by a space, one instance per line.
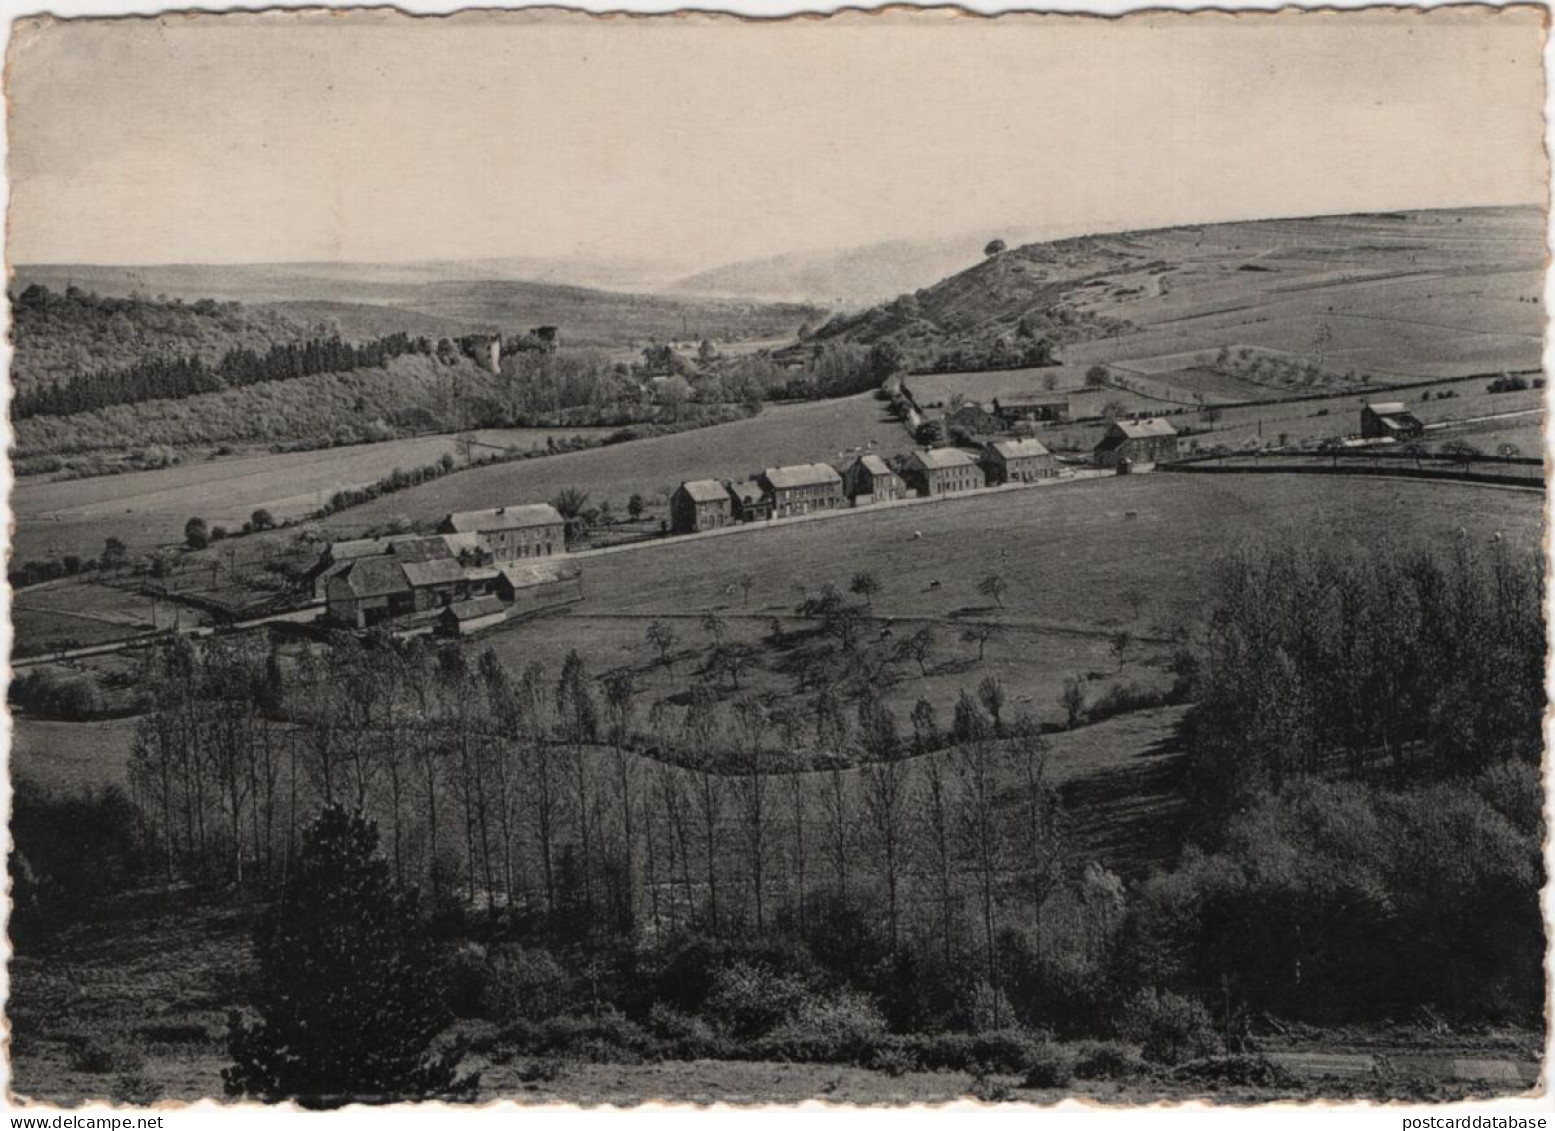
x=824 y=430
x=149 y=508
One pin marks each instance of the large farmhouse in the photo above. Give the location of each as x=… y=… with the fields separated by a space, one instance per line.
x=409 y=576
x=533 y=530
x=1389 y=419
x=1018 y=461
x=802 y=489
x=700 y=504
x=1136 y=444
x=943 y=471
x=869 y=479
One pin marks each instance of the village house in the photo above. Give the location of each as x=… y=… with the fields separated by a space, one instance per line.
x=749 y=502
x=1047 y=408
x=943 y=471
x=1018 y=461
x=533 y=530
x=382 y=587
x=1389 y=419
x=869 y=479
x=700 y=504
x=1136 y=444
x=802 y=489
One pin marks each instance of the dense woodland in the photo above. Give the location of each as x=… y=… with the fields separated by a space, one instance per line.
x=613 y=877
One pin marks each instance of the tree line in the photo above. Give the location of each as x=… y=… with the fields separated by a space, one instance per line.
x=180 y=377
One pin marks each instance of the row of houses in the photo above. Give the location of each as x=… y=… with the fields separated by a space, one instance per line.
x=789 y=492
x=477 y=570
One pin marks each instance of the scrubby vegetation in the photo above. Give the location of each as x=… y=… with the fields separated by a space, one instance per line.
x=916 y=903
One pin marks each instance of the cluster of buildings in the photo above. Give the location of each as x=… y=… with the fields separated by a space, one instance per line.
x=479 y=569
x=788 y=492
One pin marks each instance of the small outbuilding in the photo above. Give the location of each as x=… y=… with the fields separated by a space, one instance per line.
x=465 y=617
x=1389 y=420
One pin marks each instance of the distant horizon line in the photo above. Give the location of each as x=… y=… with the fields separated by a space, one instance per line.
x=426 y=260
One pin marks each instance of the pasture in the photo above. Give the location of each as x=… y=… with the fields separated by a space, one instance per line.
x=148 y=508
x=782 y=434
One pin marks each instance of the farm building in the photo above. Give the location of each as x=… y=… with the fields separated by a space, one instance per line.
x=1050 y=407
x=1389 y=419
x=802 y=489
x=1018 y=461
x=534 y=530
x=1138 y=442
x=465 y=617
x=973 y=419
x=869 y=479
x=700 y=504
x=943 y=471
x=749 y=502
x=381 y=587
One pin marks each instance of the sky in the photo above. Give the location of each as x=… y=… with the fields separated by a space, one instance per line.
x=702 y=140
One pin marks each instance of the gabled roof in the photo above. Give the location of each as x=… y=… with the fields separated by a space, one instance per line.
x=502 y=518
x=705 y=490
x=1143 y=429
x=476 y=607
x=355 y=548
x=376 y=576
x=747 y=493
x=874 y=465
x=413 y=549
x=802 y=475
x=522 y=574
x=935 y=459
x=441 y=571
x=1388 y=408
x=1019 y=449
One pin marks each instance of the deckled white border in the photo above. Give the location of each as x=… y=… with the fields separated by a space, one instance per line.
x=1171 y=1117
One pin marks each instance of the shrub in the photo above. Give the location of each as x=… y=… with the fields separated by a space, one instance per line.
x=842 y=1028
x=752 y=999
x=1004 y=1050
x=1242 y=1070
x=1109 y=1060
x=135 y=1088
x=685 y=1036
x=1169 y=1028
x=523 y=982
x=1049 y=1065
x=894 y=1060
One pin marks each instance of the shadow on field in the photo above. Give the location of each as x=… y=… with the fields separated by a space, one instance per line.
x=1133 y=817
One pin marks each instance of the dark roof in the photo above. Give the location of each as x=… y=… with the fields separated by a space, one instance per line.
x=1023 y=400
x=503 y=518
x=441 y=571
x=748 y=493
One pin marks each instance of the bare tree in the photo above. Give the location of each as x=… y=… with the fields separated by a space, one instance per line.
x=662 y=637
x=993 y=586
x=981 y=633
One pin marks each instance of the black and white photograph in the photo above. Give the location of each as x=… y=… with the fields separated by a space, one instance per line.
x=890 y=557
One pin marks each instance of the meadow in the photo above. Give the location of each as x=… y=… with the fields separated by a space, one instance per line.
x=149 y=508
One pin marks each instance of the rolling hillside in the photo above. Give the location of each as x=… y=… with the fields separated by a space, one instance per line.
x=1397 y=296
x=466 y=299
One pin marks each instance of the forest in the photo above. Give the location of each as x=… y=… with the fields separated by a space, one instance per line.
x=705 y=875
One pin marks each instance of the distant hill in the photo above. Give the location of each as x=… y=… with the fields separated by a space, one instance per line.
x=845 y=279
x=462 y=297
x=1408 y=293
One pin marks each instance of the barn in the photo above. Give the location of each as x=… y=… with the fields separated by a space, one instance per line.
x=1048 y=408
x=1139 y=443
